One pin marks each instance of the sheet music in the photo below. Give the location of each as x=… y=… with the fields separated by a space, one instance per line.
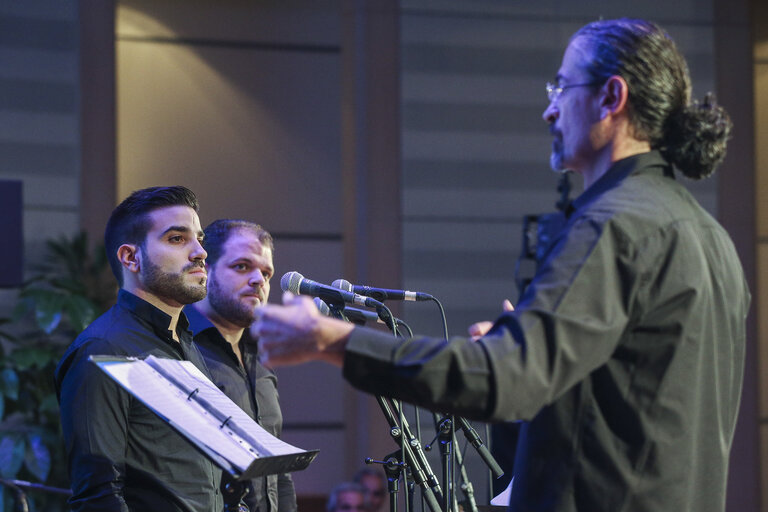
x=179 y=392
x=187 y=373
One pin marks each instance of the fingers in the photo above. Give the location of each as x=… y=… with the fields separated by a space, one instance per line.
x=479 y=329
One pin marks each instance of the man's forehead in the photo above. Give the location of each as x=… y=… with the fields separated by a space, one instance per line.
x=574 y=61
x=174 y=216
x=351 y=496
x=244 y=242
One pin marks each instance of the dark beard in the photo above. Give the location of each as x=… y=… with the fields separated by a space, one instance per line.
x=172 y=286
x=228 y=307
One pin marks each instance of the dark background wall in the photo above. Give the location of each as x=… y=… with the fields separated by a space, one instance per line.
x=390 y=143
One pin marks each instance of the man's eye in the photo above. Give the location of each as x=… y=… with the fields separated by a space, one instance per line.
x=176 y=238
x=239 y=266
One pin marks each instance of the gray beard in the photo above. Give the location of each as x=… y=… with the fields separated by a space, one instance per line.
x=556 y=162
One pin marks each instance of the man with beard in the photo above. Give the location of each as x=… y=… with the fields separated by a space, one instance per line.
x=121 y=455
x=624 y=356
x=239 y=268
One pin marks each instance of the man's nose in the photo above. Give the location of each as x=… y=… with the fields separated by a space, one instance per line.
x=551 y=113
x=198 y=253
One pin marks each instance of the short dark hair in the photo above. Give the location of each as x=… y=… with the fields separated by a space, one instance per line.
x=333 y=497
x=691 y=135
x=218 y=232
x=129 y=222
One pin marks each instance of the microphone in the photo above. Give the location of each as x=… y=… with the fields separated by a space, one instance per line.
x=354 y=315
x=381 y=294
x=296 y=283
x=322 y=306
x=341 y=312
x=361 y=317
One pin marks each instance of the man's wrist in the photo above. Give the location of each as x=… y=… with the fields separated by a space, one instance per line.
x=333 y=336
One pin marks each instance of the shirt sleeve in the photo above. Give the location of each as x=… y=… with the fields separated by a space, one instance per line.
x=568 y=323
x=94 y=412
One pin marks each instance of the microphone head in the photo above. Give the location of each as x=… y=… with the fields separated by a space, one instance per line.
x=342 y=284
x=290 y=282
x=322 y=306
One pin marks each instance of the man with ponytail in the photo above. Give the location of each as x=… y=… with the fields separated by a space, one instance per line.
x=624 y=356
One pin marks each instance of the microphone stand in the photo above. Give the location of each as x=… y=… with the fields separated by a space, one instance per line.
x=466 y=485
x=417 y=466
x=407 y=442
x=393 y=466
x=445 y=437
x=413 y=440
x=239 y=490
x=474 y=439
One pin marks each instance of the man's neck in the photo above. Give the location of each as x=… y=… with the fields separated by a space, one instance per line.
x=229 y=331
x=614 y=153
x=171 y=309
x=616 y=139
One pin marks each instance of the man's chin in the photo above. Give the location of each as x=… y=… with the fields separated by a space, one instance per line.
x=557 y=165
x=193 y=293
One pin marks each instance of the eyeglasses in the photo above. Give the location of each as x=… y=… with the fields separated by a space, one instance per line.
x=554 y=91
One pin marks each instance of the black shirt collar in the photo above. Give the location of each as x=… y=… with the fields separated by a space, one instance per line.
x=198 y=322
x=206 y=332
x=156 y=318
x=618 y=172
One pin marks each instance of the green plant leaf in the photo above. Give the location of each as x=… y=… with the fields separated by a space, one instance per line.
x=11 y=456
x=6 y=336
x=49 y=306
x=37 y=458
x=30 y=357
x=80 y=311
x=9 y=384
x=48 y=404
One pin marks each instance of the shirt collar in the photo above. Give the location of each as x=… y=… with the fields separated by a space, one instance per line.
x=158 y=319
x=618 y=172
x=198 y=322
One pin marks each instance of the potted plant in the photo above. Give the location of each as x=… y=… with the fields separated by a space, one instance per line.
x=67 y=292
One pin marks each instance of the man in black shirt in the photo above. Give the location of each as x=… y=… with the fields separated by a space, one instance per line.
x=123 y=457
x=625 y=354
x=239 y=270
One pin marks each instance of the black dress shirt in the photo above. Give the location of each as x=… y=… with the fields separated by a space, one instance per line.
x=254 y=389
x=625 y=355
x=122 y=456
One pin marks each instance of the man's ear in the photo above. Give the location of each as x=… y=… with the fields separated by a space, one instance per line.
x=614 y=98
x=129 y=257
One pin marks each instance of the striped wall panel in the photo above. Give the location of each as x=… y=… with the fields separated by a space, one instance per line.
x=39 y=118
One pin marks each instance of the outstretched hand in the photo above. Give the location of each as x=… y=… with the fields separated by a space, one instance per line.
x=296 y=333
x=480 y=329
